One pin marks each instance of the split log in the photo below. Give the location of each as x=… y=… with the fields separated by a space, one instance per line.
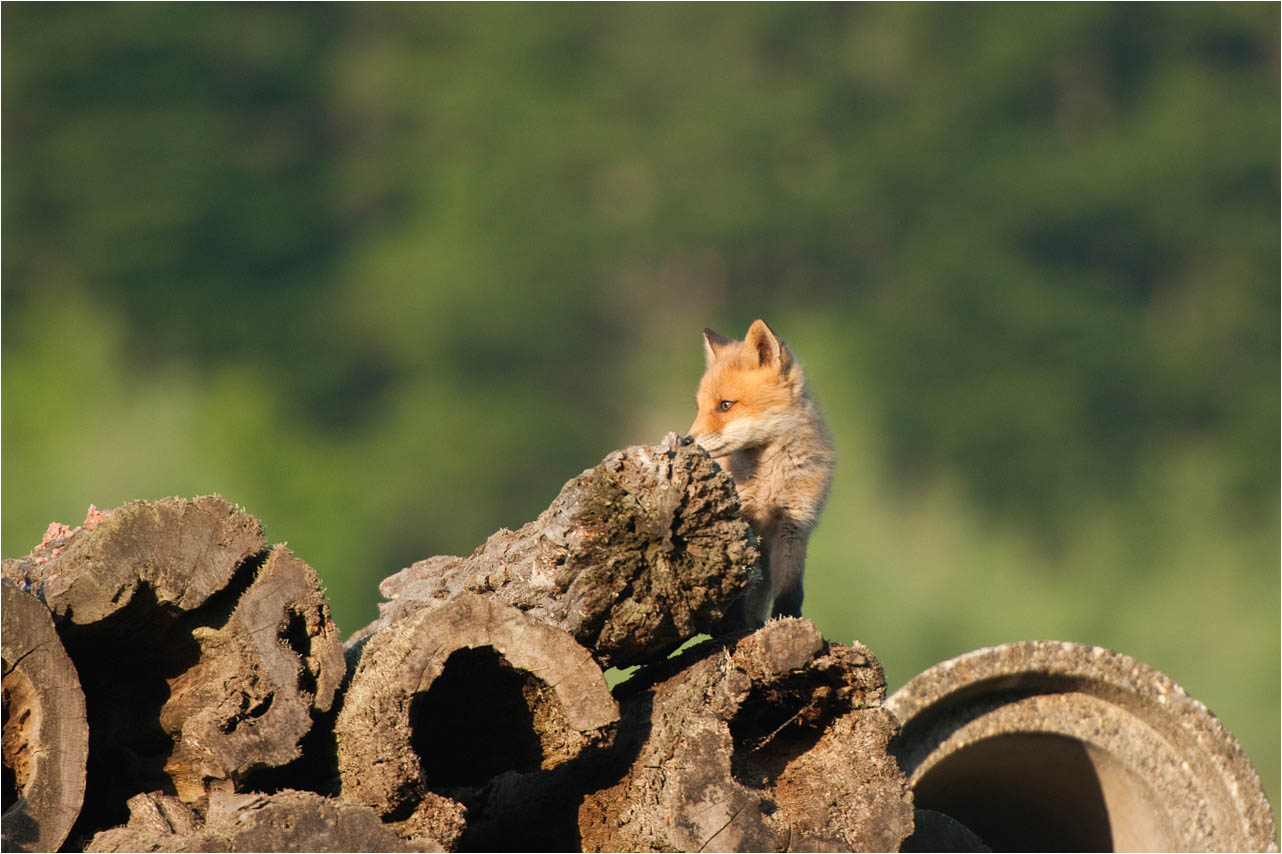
x=632 y=558
x=45 y=735
x=774 y=742
x=258 y=681
x=284 y=821
x=446 y=699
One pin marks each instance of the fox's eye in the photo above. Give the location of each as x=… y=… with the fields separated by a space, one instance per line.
x=724 y=406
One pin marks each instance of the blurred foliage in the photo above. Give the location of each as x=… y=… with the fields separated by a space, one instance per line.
x=388 y=274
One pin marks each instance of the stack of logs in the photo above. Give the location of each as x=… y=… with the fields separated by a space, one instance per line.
x=171 y=683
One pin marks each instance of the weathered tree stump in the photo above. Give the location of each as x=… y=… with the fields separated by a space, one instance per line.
x=284 y=821
x=632 y=558
x=776 y=742
x=446 y=699
x=45 y=736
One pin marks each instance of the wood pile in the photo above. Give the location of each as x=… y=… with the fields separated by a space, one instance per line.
x=172 y=683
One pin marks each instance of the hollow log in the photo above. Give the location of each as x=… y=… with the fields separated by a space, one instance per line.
x=632 y=558
x=284 y=821
x=181 y=551
x=204 y=658
x=448 y=698
x=774 y=742
x=45 y=735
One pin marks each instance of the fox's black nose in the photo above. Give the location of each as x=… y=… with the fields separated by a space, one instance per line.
x=687 y=440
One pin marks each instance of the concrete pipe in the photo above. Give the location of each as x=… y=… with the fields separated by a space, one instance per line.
x=1052 y=746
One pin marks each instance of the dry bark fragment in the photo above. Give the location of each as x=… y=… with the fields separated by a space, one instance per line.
x=633 y=557
x=45 y=735
x=774 y=742
x=284 y=821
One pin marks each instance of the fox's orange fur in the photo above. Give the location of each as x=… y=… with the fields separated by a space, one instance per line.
x=757 y=419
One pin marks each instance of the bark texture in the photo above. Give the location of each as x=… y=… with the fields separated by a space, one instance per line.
x=45 y=736
x=633 y=557
x=284 y=821
x=775 y=742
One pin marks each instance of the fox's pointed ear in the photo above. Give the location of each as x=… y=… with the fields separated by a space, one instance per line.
x=714 y=345
x=762 y=345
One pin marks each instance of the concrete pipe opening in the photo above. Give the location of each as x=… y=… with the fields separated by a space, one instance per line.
x=1055 y=746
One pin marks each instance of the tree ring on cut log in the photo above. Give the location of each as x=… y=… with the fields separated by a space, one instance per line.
x=450 y=697
x=45 y=734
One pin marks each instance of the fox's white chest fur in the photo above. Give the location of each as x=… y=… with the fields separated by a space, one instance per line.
x=788 y=477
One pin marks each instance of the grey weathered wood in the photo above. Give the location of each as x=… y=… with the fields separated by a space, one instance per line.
x=633 y=557
x=388 y=753
x=45 y=736
x=774 y=742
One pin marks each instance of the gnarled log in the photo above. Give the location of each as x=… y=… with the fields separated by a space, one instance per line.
x=45 y=736
x=774 y=742
x=632 y=558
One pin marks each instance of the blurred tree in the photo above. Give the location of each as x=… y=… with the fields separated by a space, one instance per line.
x=389 y=274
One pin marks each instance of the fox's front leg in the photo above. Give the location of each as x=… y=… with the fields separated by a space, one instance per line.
x=786 y=567
x=783 y=559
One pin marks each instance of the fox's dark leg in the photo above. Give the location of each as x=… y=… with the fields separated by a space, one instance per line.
x=787 y=566
x=736 y=617
x=753 y=607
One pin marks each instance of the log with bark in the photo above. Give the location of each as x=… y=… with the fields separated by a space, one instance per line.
x=632 y=558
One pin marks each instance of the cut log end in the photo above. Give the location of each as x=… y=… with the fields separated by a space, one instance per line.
x=182 y=551
x=450 y=698
x=45 y=734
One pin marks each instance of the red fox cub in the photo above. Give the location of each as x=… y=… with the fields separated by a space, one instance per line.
x=757 y=420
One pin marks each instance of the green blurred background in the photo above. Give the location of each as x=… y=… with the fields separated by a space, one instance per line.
x=388 y=275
